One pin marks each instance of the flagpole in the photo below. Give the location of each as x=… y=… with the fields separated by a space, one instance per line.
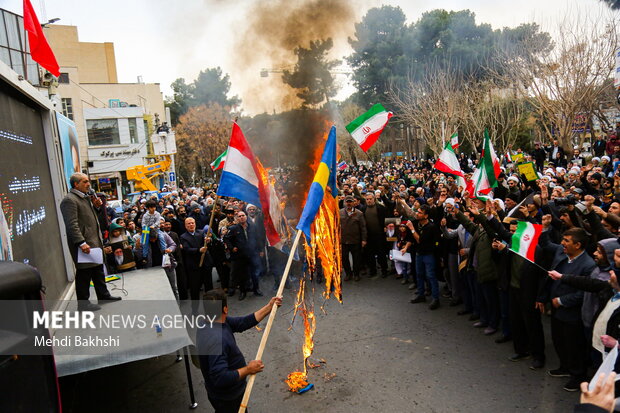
x=272 y=316
x=202 y=257
x=525 y=258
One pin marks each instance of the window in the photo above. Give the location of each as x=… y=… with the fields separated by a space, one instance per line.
x=103 y=132
x=67 y=108
x=133 y=130
x=13 y=44
x=63 y=78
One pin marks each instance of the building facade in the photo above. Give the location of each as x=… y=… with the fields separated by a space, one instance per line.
x=114 y=120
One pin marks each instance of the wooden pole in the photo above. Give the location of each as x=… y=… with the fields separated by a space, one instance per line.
x=202 y=257
x=272 y=316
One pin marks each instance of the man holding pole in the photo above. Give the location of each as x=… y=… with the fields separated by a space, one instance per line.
x=225 y=370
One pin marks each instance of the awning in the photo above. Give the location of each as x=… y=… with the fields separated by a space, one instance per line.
x=116 y=175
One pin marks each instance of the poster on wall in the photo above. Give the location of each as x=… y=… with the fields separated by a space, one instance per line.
x=69 y=144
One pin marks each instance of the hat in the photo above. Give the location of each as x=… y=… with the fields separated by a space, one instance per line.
x=596 y=159
x=143 y=201
x=513 y=178
x=229 y=211
x=349 y=198
x=513 y=197
x=605 y=158
x=578 y=191
x=450 y=201
x=194 y=205
x=550 y=171
x=114 y=226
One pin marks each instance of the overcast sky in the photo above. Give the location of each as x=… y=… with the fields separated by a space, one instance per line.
x=162 y=40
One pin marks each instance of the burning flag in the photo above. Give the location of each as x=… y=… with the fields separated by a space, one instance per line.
x=244 y=178
x=325 y=177
x=367 y=128
x=320 y=223
x=220 y=161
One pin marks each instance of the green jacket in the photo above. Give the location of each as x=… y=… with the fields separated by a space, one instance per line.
x=485 y=267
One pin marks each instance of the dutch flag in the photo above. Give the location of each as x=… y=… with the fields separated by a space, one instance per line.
x=241 y=179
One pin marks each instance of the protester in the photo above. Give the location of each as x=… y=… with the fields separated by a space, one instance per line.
x=83 y=234
x=222 y=364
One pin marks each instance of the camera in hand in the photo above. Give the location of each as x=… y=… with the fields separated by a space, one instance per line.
x=566 y=200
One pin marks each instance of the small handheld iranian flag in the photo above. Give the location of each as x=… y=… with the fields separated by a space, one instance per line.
x=525 y=239
x=484 y=178
x=449 y=163
x=454 y=140
x=367 y=128
x=220 y=161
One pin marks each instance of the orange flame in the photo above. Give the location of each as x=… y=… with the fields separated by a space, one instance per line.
x=325 y=245
x=296 y=380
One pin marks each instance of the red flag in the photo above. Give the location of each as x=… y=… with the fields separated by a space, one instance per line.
x=40 y=50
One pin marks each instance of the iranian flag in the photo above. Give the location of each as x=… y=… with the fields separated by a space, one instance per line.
x=485 y=177
x=449 y=163
x=367 y=128
x=525 y=239
x=220 y=161
x=454 y=140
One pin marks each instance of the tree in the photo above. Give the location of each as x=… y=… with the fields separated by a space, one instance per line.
x=389 y=52
x=311 y=76
x=348 y=147
x=202 y=134
x=211 y=86
x=569 y=82
x=499 y=110
x=435 y=105
x=378 y=59
x=180 y=100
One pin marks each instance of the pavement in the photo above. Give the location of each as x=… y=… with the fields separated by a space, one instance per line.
x=376 y=352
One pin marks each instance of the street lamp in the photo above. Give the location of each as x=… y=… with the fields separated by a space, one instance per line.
x=50 y=21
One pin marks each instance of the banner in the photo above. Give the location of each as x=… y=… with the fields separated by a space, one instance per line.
x=529 y=170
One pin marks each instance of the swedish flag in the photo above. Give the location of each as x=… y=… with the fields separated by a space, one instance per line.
x=325 y=176
x=146 y=230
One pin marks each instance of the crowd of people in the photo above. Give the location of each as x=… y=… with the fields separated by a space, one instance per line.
x=463 y=243
x=403 y=219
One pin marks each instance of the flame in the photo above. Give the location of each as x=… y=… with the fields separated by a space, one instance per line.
x=297 y=380
x=324 y=246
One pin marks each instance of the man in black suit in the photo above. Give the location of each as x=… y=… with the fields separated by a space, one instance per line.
x=178 y=256
x=553 y=152
x=241 y=242
x=193 y=244
x=566 y=325
x=374 y=216
x=255 y=216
